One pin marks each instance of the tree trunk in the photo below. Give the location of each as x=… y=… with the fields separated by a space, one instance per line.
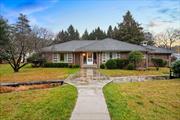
x=16 y=69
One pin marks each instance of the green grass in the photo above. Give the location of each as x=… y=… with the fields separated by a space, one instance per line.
x=47 y=104
x=151 y=100
x=28 y=73
x=120 y=72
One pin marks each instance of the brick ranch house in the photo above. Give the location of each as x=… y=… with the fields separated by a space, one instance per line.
x=92 y=53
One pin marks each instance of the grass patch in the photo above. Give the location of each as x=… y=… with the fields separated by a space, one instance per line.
x=150 y=100
x=120 y=72
x=47 y=104
x=28 y=73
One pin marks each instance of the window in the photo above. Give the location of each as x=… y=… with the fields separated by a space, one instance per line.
x=55 y=57
x=61 y=57
x=118 y=55
x=114 y=55
x=70 y=58
x=111 y=55
x=103 y=57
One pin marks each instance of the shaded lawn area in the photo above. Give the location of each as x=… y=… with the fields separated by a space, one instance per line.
x=47 y=104
x=120 y=72
x=28 y=73
x=150 y=100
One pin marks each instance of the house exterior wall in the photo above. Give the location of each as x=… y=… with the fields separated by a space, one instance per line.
x=78 y=58
x=166 y=57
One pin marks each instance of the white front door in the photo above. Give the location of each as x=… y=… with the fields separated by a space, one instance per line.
x=90 y=58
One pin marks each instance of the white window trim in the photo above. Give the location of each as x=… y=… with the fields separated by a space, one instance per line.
x=118 y=55
x=55 y=57
x=70 y=58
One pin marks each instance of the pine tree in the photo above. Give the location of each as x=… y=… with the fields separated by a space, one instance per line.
x=77 y=35
x=4 y=32
x=85 y=35
x=110 y=32
x=97 y=34
x=130 y=31
x=71 y=32
x=61 y=37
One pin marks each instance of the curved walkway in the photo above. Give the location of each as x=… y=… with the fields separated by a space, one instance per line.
x=90 y=104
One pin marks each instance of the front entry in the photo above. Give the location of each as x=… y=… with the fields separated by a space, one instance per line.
x=89 y=58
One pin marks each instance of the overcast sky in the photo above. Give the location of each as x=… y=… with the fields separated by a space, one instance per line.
x=154 y=15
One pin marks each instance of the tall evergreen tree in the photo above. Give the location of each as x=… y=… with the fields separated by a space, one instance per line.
x=115 y=33
x=97 y=34
x=129 y=30
x=62 y=36
x=76 y=35
x=4 y=32
x=110 y=32
x=73 y=34
x=85 y=35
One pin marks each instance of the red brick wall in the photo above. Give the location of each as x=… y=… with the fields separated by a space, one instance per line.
x=48 y=56
x=165 y=57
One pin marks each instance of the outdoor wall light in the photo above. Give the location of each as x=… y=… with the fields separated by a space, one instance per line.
x=84 y=54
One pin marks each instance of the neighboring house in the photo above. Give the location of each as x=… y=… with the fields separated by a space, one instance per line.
x=92 y=53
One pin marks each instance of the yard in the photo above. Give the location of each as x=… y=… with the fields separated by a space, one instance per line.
x=47 y=104
x=120 y=72
x=28 y=73
x=151 y=100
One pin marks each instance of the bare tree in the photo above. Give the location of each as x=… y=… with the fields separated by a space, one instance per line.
x=19 y=43
x=41 y=37
x=168 y=38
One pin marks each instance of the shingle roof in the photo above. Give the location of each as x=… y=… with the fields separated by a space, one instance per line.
x=111 y=45
x=69 y=46
x=107 y=44
x=153 y=49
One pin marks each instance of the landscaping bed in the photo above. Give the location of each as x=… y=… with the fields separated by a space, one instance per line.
x=144 y=100
x=18 y=87
x=46 y=104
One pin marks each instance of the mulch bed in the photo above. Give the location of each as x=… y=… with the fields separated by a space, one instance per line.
x=5 y=89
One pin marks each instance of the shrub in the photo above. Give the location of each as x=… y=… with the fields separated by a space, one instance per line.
x=73 y=66
x=33 y=57
x=130 y=66
x=102 y=66
x=111 y=64
x=122 y=63
x=158 y=62
x=36 y=60
x=135 y=57
x=176 y=68
x=56 y=65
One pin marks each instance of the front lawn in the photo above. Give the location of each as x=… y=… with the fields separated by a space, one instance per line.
x=28 y=73
x=47 y=104
x=120 y=72
x=150 y=100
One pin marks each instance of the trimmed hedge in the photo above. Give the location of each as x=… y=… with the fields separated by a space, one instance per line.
x=121 y=63
x=111 y=64
x=73 y=66
x=56 y=65
x=159 y=62
x=102 y=66
x=130 y=66
x=116 y=64
x=176 y=68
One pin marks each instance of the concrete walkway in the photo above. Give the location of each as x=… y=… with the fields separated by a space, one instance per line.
x=90 y=104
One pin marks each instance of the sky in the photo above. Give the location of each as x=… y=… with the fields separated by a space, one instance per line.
x=154 y=15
